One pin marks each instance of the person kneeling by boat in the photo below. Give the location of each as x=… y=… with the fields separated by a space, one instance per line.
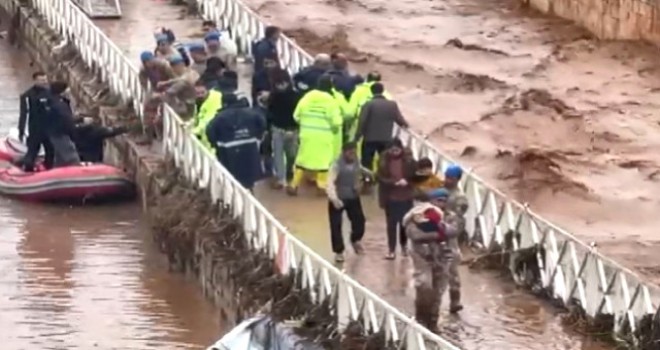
x=89 y=137
x=235 y=133
x=60 y=126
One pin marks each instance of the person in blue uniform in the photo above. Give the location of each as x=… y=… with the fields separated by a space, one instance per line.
x=235 y=133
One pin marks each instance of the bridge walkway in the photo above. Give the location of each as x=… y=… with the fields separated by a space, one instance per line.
x=497 y=314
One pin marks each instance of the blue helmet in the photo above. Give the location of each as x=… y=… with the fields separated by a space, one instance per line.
x=454 y=171
x=438 y=193
x=146 y=56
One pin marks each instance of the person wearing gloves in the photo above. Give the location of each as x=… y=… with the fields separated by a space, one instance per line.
x=430 y=233
x=343 y=191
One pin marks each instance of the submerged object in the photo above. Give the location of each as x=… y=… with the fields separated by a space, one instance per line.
x=263 y=332
x=12 y=149
x=72 y=183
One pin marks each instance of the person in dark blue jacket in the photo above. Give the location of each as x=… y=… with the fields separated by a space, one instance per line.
x=343 y=80
x=307 y=78
x=61 y=126
x=266 y=47
x=235 y=133
x=261 y=81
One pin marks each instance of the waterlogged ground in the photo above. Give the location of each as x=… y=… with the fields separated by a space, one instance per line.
x=534 y=104
x=497 y=315
x=87 y=278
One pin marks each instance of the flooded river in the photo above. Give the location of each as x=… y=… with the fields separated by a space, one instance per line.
x=87 y=277
x=536 y=105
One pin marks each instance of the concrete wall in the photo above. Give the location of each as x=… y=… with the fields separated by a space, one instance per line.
x=609 y=19
x=198 y=237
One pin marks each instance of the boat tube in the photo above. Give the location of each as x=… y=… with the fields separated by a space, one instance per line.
x=262 y=332
x=72 y=183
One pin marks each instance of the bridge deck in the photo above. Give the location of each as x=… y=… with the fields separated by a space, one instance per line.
x=497 y=315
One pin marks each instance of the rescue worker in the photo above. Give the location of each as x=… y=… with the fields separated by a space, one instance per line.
x=208 y=26
x=164 y=49
x=457 y=204
x=221 y=46
x=429 y=232
x=343 y=108
x=319 y=119
x=235 y=133
x=34 y=109
x=180 y=91
x=60 y=126
x=281 y=104
x=361 y=95
x=266 y=48
x=154 y=70
x=209 y=103
x=89 y=138
x=198 y=57
x=396 y=170
x=376 y=124
x=306 y=78
x=344 y=81
x=343 y=191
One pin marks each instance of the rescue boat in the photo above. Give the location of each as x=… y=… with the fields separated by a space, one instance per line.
x=88 y=182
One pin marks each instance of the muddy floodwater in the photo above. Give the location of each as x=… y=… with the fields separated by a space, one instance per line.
x=534 y=104
x=87 y=277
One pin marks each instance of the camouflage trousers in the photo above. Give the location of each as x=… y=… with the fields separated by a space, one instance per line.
x=432 y=279
x=432 y=276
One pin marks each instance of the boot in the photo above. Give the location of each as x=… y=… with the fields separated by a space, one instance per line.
x=455 y=301
x=421 y=308
x=433 y=322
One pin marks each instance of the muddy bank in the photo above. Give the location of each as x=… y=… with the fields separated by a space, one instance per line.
x=536 y=105
x=202 y=239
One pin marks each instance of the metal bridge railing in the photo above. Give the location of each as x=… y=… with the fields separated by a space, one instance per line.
x=569 y=270
x=351 y=300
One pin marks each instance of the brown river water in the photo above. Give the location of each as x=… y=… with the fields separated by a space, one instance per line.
x=87 y=277
x=533 y=103
x=497 y=315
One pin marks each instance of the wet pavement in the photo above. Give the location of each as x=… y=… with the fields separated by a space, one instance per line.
x=497 y=315
x=87 y=277
x=539 y=108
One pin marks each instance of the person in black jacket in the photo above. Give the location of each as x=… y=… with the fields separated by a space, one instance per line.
x=61 y=126
x=307 y=77
x=282 y=103
x=88 y=138
x=34 y=109
x=235 y=133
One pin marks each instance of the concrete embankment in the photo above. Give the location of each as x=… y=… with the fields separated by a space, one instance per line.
x=198 y=237
x=621 y=19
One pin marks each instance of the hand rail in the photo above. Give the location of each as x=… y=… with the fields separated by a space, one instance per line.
x=570 y=270
x=353 y=302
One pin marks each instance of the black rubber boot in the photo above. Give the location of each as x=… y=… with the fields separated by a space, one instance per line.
x=455 y=302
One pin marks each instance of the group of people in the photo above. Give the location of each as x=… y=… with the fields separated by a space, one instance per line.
x=325 y=124
x=47 y=117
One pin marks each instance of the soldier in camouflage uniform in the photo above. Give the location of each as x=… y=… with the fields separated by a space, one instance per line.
x=455 y=210
x=432 y=255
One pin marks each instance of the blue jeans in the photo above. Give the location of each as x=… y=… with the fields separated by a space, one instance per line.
x=285 y=147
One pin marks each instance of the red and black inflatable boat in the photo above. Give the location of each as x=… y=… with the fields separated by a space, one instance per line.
x=84 y=182
x=87 y=182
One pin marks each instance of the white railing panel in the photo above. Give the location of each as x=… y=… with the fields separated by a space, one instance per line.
x=571 y=269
